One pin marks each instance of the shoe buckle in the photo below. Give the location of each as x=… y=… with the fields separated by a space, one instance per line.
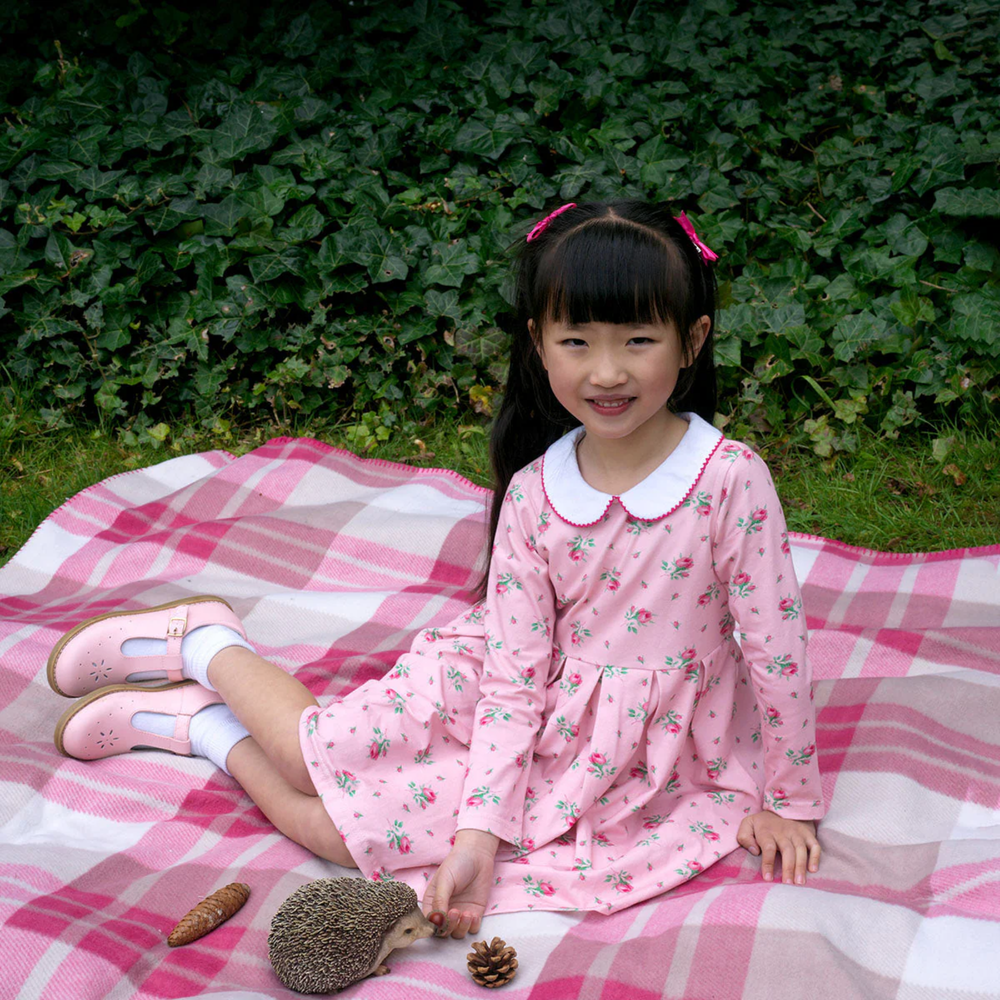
x=176 y=626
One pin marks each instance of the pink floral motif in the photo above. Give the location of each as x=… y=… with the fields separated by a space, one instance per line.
x=782 y=665
x=679 y=569
x=755 y=522
x=670 y=721
x=801 y=756
x=776 y=799
x=578 y=546
x=704 y=830
x=636 y=618
x=538 y=887
x=790 y=608
x=701 y=501
x=398 y=838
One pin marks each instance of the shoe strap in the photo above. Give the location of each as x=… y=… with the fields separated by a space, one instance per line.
x=177 y=625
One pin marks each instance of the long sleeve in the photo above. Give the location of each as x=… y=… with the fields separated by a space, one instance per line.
x=520 y=613
x=753 y=560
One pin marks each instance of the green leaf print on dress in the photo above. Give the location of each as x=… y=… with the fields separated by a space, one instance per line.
x=670 y=721
x=790 y=608
x=804 y=755
x=783 y=666
x=636 y=618
x=537 y=887
x=776 y=799
x=567 y=730
x=600 y=766
x=741 y=585
x=755 y=522
x=577 y=548
x=682 y=661
x=701 y=502
x=506 y=583
x=679 y=569
x=346 y=782
x=482 y=795
x=397 y=837
x=422 y=796
x=380 y=744
x=621 y=880
x=579 y=634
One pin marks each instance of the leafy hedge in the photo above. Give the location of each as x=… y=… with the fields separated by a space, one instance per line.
x=306 y=208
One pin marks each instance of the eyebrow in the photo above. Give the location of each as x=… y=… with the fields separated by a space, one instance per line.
x=628 y=326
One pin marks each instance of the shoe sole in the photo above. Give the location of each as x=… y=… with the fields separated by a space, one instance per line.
x=84 y=701
x=58 y=648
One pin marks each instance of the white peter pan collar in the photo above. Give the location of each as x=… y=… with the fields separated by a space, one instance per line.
x=658 y=495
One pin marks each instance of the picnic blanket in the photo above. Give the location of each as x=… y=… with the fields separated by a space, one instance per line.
x=334 y=562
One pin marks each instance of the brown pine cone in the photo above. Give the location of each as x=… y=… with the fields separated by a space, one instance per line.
x=209 y=913
x=492 y=964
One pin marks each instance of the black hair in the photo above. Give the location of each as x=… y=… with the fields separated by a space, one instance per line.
x=622 y=261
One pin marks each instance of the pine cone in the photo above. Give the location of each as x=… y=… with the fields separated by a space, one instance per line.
x=492 y=964
x=209 y=913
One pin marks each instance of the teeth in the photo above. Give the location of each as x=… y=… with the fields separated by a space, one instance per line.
x=609 y=406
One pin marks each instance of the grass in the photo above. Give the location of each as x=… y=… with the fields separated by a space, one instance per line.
x=893 y=496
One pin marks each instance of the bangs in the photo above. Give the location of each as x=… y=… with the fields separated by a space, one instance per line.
x=613 y=273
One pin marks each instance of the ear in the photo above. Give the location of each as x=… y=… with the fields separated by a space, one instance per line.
x=698 y=333
x=537 y=341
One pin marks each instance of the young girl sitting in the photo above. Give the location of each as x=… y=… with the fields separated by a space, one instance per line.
x=629 y=702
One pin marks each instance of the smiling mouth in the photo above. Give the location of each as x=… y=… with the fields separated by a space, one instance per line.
x=611 y=405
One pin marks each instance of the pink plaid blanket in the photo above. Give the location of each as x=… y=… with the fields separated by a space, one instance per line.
x=334 y=562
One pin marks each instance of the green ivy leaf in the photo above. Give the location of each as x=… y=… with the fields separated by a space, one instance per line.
x=856 y=332
x=487 y=137
x=968 y=202
x=450 y=264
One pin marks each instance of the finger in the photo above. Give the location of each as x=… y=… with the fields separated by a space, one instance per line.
x=440 y=890
x=801 y=856
x=768 y=850
x=461 y=924
x=814 y=853
x=745 y=837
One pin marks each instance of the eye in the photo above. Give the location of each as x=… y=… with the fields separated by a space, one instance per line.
x=409 y=930
x=573 y=342
x=641 y=340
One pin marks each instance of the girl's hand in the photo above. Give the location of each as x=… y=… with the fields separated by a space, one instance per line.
x=768 y=834
x=456 y=896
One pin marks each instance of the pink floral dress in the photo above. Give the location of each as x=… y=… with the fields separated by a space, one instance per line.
x=634 y=685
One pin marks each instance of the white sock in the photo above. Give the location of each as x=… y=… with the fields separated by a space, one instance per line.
x=197 y=649
x=213 y=733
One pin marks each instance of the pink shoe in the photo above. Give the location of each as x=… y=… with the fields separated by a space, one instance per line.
x=100 y=725
x=90 y=655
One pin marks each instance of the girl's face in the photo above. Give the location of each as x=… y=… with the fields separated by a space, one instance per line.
x=616 y=378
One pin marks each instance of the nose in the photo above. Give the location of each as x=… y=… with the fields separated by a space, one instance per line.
x=607 y=370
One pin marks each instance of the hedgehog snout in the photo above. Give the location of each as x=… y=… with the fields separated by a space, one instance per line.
x=410 y=927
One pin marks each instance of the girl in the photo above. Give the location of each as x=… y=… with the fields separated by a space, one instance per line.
x=630 y=700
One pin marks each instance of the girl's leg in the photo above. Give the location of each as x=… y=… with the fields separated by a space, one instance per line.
x=269 y=702
x=300 y=816
x=269 y=765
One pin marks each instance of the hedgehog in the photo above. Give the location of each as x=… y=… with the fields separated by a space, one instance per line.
x=333 y=932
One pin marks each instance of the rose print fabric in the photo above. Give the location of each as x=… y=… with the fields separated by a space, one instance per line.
x=635 y=684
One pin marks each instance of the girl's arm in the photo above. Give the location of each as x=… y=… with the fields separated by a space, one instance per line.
x=518 y=621
x=753 y=560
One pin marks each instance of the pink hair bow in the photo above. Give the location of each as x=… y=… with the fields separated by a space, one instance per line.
x=685 y=224
x=537 y=231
